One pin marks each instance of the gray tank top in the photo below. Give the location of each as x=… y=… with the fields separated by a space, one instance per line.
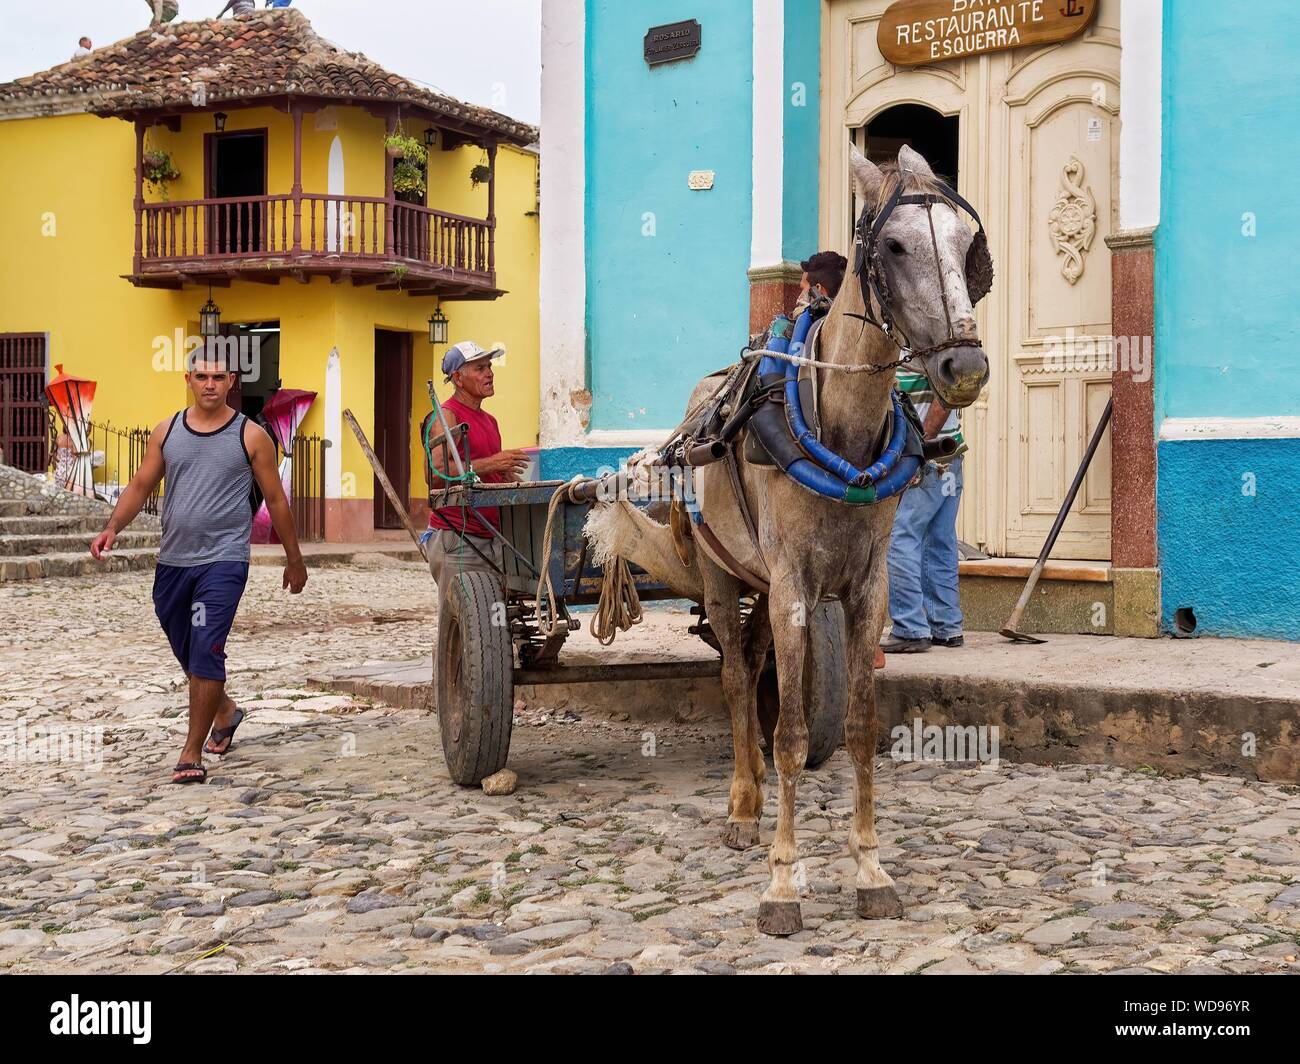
x=206 y=516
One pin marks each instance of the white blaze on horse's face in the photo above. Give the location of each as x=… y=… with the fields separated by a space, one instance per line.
x=926 y=269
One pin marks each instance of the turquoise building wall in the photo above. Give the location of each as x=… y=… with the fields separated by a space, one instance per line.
x=667 y=294
x=801 y=137
x=1228 y=316
x=667 y=291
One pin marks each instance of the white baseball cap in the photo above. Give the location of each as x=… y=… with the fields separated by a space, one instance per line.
x=460 y=355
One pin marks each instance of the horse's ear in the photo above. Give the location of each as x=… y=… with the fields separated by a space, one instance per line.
x=910 y=161
x=867 y=176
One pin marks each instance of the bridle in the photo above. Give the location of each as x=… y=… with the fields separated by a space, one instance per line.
x=870 y=270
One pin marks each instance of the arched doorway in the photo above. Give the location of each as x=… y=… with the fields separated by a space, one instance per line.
x=923 y=129
x=936 y=136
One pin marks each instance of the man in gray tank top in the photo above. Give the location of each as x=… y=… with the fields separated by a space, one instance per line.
x=210 y=456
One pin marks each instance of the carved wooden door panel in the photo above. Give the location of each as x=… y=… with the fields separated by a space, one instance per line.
x=1038 y=158
x=1060 y=110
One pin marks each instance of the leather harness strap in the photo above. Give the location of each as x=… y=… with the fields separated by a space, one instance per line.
x=728 y=560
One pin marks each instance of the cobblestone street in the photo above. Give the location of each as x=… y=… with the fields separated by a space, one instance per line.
x=330 y=839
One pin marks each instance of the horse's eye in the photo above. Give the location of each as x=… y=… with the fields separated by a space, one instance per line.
x=895 y=248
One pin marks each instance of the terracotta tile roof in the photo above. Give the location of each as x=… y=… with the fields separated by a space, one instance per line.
x=268 y=53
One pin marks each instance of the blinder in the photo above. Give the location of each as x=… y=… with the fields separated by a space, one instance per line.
x=870 y=267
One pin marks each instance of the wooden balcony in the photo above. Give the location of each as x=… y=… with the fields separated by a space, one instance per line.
x=364 y=239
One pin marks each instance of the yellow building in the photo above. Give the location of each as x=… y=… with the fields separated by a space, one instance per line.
x=249 y=159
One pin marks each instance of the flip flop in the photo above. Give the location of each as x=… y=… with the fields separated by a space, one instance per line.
x=224 y=735
x=189 y=767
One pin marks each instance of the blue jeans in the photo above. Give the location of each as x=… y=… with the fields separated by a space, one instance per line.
x=923 y=598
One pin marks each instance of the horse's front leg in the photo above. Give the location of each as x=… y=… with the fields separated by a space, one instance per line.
x=745 y=802
x=778 y=910
x=877 y=899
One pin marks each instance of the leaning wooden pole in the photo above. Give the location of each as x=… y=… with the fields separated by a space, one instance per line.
x=1012 y=629
x=385 y=483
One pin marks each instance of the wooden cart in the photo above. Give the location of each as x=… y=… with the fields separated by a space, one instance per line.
x=487 y=645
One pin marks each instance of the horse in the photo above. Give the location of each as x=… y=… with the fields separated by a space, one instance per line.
x=908 y=294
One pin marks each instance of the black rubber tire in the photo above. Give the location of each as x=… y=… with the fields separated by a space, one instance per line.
x=825 y=686
x=474 y=679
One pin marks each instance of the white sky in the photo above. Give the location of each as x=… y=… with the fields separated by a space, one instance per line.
x=484 y=51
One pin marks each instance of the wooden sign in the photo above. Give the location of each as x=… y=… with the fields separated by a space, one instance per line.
x=916 y=32
x=666 y=44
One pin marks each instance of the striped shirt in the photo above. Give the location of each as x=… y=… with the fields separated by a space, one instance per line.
x=917 y=387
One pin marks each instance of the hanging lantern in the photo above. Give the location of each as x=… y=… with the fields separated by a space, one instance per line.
x=209 y=318
x=220 y=120
x=438 y=327
x=430 y=137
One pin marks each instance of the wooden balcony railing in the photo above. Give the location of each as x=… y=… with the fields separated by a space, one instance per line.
x=442 y=239
x=315 y=228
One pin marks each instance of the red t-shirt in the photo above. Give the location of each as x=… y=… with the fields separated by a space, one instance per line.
x=482 y=439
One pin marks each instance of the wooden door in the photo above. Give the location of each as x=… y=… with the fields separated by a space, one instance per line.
x=1038 y=127
x=392 y=443
x=24 y=423
x=236 y=170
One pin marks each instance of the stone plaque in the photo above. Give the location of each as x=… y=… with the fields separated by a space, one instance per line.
x=667 y=44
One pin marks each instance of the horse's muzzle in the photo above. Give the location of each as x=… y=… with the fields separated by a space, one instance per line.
x=959 y=375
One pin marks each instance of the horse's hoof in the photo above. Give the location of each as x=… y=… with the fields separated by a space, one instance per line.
x=779 y=918
x=740 y=835
x=879 y=903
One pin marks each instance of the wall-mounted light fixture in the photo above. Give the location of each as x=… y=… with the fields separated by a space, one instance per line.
x=438 y=326
x=220 y=119
x=209 y=317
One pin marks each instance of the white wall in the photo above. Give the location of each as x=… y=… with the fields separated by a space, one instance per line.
x=769 y=132
x=563 y=286
x=1141 y=23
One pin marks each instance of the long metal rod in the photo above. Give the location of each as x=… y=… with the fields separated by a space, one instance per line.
x=651 y=670
x=446 y=429
x=1012 y=628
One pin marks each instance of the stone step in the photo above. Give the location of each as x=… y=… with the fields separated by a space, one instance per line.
x=70 y=542
x=12 y=507
x=49 y=524
x=80 y=563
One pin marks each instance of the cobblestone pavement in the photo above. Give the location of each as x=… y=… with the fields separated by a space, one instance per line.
x=330 y=840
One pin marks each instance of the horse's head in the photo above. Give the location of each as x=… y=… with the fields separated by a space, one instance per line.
x=921 y=269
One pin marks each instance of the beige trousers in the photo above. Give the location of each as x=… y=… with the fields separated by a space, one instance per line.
x=450 y=553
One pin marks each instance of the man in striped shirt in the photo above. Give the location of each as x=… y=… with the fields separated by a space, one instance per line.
x=924 y=606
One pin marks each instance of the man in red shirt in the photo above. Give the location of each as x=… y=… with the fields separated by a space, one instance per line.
x=454 y=533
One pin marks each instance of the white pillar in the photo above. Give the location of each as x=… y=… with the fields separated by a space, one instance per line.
x=768 y=132
x=563 y=287
x=1141 y=96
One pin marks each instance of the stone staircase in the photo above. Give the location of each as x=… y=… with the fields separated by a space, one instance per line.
x=45 y=531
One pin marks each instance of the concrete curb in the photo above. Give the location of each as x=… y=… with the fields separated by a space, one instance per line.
x=1038 y=721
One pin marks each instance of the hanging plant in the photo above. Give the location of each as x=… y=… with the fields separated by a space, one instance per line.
x=399 y=145
x=479 y=174
x=408 y=177
x=158 y=169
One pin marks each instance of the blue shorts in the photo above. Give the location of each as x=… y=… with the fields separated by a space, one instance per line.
x=196 y=606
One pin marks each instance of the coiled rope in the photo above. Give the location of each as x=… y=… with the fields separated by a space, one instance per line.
x=619 y=606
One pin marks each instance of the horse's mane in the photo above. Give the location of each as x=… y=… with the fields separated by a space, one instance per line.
x=916 y=183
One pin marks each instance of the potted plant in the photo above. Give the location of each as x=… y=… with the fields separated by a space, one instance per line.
x=408 y=177
x=479 y=174
x=400 y=145
x=158 y=169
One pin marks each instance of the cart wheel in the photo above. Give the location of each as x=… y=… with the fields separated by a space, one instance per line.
x=474 y=679
x=825 y=686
